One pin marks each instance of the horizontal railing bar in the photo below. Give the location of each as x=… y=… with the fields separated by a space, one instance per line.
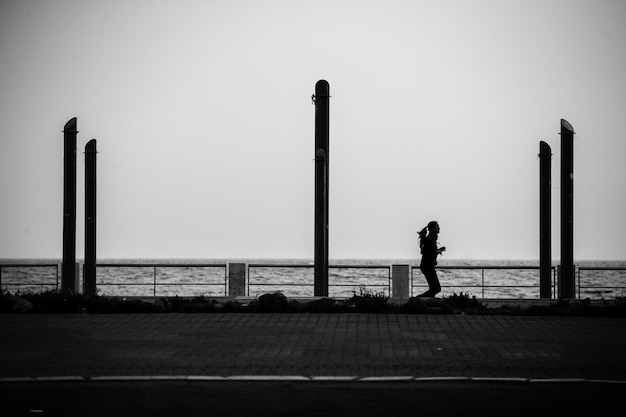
x=312 y=266
x=306 y=285
x=603 y=288
x=364 y=285
x=360 y=266
x=598 y=286
x=221 y=284
x=252 y=284
x=28 y=265
x=280 y=266
x=40 y=284
x=601 y=268
x=484 y=286
x=162 y=265
x=482 y=267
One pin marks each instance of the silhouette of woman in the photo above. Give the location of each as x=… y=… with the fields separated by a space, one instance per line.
x=430 y=251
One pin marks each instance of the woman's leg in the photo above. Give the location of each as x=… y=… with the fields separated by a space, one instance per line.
x=434 y=286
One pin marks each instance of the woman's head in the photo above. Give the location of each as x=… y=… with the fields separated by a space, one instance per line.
x=433 y=227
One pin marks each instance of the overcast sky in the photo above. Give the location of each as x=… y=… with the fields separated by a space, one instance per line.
x=205 y=127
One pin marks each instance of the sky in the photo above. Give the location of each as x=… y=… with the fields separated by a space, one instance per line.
x=204 y=124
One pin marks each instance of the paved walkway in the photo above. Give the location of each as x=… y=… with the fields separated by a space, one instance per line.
x=310 y=365
x=312 y=346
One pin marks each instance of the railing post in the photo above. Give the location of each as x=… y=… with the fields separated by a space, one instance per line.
x=89 y=274
x=400 y=281
x=566 y=289
x=482 y=274
x=236 y=280
x=578 y=283
x=321 y=99
x=411 y=279
x=59 y=267
x=68 y=272
x=545 y=220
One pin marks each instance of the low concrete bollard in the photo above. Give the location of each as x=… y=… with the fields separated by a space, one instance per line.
x=236 y=280
x=400 y=281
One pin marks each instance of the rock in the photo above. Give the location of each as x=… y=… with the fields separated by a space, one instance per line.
x=21 y=305
x=322 y=305
x=273 y=302
x=416 y=305
x=424 y=305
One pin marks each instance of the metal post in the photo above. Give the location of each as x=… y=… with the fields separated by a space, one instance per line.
x=321 y=99
x=89 y=274
x=482 y=274
x=566 y=289
x=545 y=220
x=68 y=272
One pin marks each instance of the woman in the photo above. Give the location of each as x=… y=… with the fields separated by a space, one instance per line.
x=430 y=251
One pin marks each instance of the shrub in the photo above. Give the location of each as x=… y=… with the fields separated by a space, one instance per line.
x=368 y=301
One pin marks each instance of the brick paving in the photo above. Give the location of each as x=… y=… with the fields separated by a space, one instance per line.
x=312 y=345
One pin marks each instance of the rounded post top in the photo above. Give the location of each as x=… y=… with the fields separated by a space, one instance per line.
x=71 y=125
x=90 y=147
x=566 y=127
x=322 y=88
x=544 y=148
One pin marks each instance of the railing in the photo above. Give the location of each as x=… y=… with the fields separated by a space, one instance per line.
x=598 y=288
x=30 y=284
x=310 y=285
x=482 y=284
x=155 y=283
x=584 y=287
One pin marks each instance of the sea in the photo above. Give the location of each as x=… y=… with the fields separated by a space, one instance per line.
x=484 y=279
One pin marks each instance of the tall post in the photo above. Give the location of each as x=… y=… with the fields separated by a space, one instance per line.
x=89 y=276
x=545 y=220
x=322 y=124
x=566 y=287
x=68 y=271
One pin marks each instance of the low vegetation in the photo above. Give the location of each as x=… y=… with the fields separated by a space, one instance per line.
x=363 y=301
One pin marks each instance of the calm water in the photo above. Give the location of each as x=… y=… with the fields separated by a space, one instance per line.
x=345 y=277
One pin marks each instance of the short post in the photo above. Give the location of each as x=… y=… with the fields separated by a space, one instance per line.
x=89 y=276
x=567 y=284
x=236 y=280
x=545 y=220
x=400 y=281
x=68 y=271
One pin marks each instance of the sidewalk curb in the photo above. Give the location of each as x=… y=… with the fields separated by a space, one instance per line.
x=299 y=378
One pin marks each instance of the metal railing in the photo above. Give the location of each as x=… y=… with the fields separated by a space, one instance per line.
x=31 y=284
x=249 y=281
x=597 y=288
x=155 y=283
x=256 y=281
x=482 y=284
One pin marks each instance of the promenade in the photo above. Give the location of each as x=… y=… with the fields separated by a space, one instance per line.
x=254 y=352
